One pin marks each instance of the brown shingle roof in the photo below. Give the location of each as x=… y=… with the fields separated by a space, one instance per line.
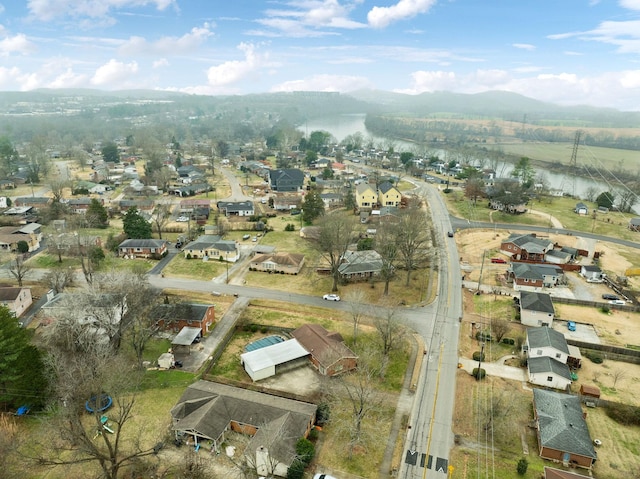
x=326 y=347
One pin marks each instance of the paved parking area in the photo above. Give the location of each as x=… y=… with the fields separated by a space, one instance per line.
x=584 y=332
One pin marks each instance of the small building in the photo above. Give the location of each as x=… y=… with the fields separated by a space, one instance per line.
x=548 y=372
x=270 y=360
x=592 y=273
x=143 y=248
x=10 y=236
x=589 y=390
x=533 y=276
x=536 y=309
x=17 y=300
x=547 y=355
x=191 y=205
x=37 y=202
x=185 y=338
x=634 y=224
x=563 y=435
x=287 y=263
x=212 y=247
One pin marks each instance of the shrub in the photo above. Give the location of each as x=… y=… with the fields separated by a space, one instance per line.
x=290 y=227
x=188 y=255
x=296 y=469
x=522 y=467
x=479 y=373
x=605 y=309
x=305 y=450
x=483 y=337
x=594 y=357
x=313 y=434
x=625 y=414
x=506 y=340
x=322 y=414
x=478 y=356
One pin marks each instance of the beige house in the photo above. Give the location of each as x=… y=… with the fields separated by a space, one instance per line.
x=17 y=300
x=366 y=196
x=388 y=195
x=287 y=263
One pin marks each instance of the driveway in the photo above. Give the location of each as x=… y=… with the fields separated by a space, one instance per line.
x=496 y=369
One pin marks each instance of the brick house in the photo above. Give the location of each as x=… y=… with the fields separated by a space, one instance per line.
x=143 y=248
x=174 y=317
x=329 y=354
x=288 y=263
x=526 y=247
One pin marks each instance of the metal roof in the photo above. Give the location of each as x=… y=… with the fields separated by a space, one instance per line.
x=273 y=355
x=186 y=336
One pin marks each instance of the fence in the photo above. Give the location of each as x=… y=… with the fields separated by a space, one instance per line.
x=609 y=352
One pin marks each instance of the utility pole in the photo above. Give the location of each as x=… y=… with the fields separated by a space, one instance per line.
x=481 y=268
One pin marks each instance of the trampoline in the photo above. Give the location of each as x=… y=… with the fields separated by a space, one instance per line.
x=98 y=403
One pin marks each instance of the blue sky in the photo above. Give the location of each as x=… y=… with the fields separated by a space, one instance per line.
x=562 y=51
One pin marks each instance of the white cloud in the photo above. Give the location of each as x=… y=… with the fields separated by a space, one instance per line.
x=114 y=74
x=630 y=4
x=380 y=17
x=610 y=89
x=68 y=79
x=161 y=63
x=523 y=46
x=625 y=35
x=234 y=71
x=16 y=44
x=339 y=83
x=46 y=10
x=8 y=77
x=167 y=45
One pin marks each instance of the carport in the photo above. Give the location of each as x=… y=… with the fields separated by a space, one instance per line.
x=185 y=338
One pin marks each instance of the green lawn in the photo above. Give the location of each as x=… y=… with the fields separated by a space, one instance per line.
x=194 y=268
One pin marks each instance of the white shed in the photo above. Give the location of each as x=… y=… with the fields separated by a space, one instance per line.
x=166 y=361
x=265 y=362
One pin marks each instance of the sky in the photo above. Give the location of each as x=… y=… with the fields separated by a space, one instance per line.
x=566 y=52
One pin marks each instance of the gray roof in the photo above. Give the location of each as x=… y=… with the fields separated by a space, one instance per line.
x=231 y=206
x=545 y=364
x=546 y=337
x=141 y=243
x=536 y=302
x=534 y=271
x=385 y=187
x=186 y=336
x=355 y=262
x=591 y=268
x=362 y=187
x=561 y=424
x=530 y=243
x=556 y=253
x=207 y=408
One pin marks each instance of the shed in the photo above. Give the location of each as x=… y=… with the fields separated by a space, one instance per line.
x=166 y=360
x=590 y=391
x=268 y=361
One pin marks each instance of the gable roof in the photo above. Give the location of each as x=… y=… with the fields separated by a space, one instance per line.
x=207 y=408
x=289 y=175
x=385 y=187
x=533 y=271
x=546 y=337
x=142 y=243
x=9 y=293
x=233 y=206
x=552 y=473
x=327 y=347
x=545 y=364
x=362 y=188
x=360 y=262
x=532 y=301
x=274 y=354
x=287 y=259
x=530 y=243
x=561 y=424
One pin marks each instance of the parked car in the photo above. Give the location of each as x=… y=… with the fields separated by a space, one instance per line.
x=618 y=302
x=571 y=326
x=498 y=260
x=323 y=476
x=254 y=239
x=246 y=237
x=331 y=297
x=182 y=219
x=295 y=212
x=450 y=234
x=609 y=296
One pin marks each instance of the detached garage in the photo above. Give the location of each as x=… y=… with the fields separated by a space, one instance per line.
x=268 y=361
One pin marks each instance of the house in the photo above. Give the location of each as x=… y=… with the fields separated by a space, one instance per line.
x=191 y=205
x=634 y=224
x=553 y=473
x=212 y=247
x=592 y=273
x=558 y=256
x=207 y=410
x=288 y=263
x=366 y=196
x=329 y=354
x=547 y=355
x=236 y=208
x=141 y=205
x=287 y=179
x=360 y=265
x=388 y=195
x=37 y=202
x=7 y=184
x=536 y=309
x=143 y=248
x=581 y=209
x=562 y=431
x=181 y=315
x=534 y=277
x=287 y=202
x=10 y=236
x=331 y=200
x=17 y=300
x=271 y=359
x=526 y=247
x=80 y=205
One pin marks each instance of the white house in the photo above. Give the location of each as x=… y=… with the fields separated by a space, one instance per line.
x=536 y=309
x=547 y=354
x=592 y=273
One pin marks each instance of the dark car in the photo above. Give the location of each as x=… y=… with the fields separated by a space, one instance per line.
x=450 y=234
x=611 y=297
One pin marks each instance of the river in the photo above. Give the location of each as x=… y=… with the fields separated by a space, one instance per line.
x=340 y=126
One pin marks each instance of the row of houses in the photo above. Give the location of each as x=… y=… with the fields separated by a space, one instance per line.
x=385 y=195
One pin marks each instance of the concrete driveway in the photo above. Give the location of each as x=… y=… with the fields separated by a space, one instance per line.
x=496 y=368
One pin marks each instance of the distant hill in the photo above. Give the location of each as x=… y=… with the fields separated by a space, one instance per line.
x=498 y=105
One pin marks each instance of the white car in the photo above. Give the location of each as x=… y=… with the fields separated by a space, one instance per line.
x=331 y=297
x=182 y=219
x=619 y=302
x=323 y=476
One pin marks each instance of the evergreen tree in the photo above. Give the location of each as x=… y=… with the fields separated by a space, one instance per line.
x=22 y=371
x=135 y=226
x=97 y=216
x=110 y=153
x=312 y=206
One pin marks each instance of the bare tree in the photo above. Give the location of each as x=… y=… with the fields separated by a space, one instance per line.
x=499 y=327
x=358 y=391
x=336 y=234
x=591 y=193
x=357 y=309
x=161 y=217
x=57 y=188
x=618 y=375
x=386 y=245
x=412 y=239
x=10 y=441
x=391 y=330
x=59 y=278
x=19 y=268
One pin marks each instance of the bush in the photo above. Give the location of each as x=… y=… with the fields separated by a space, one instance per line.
x=624 y=414
x=305 y=450
x=290 y=227
x=188 y=255
x=594 y=357
x=478 y=356
x=313 y=434
x=323 y=414
x=296 y=469
x=479 y=373
x=522 y=467
x=483 y=337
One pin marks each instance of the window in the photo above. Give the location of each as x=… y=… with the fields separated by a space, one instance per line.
x=549 y=378
x=558 y=355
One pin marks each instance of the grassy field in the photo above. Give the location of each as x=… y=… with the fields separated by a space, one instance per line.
x=592 y=156
x=180 y=267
